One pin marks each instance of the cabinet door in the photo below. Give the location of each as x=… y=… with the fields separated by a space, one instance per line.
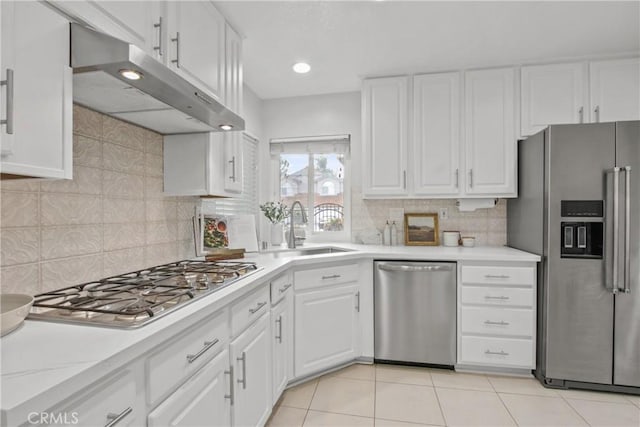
x=250 y=355
x=203 y=400
x=137 y=22
x=384 y=121
x=552 y=94
x=280 y=322
x=615 y=89
x=326 y=328
x=35 y=50
x=490 y=140
x=436 y=139
x=233 y=71
x=196 y=44
x=233 y=144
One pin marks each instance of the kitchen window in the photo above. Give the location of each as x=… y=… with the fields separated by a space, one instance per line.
x=247 y=201
x=315 y=171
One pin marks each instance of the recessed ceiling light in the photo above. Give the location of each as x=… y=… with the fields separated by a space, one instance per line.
x=225 y=127
x=301 y=67
x=131 y=74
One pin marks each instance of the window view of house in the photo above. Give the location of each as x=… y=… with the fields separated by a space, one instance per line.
x=317 y=181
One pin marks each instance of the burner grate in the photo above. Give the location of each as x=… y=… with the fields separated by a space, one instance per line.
x=134 y=299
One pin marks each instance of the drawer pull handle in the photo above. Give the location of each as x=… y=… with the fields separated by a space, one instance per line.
x=231 y=385
x=283 y=289
x=333 y=276
x=501 y=297
x=358 y=301
x=116 y=418
x=496 y=276
x=500 y=323
x=207 y=345
x=243 y=359
x=498 y=353
x=279 y=322
x=258 y=307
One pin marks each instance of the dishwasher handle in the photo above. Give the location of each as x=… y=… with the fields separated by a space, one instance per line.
x=414 y=268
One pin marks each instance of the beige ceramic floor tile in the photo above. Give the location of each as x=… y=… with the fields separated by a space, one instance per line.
x=520 y=386
x=356 y=372
x=300 y=396
x=473 y=408
x=403 y=375
x=317 y=419
x=607 y=414
x=541 y=411
x=452 y=379
x=284 y=416
x=593 y=395
x=391 y=423
x=634 y=399
x=410 y=403
x=344 y=396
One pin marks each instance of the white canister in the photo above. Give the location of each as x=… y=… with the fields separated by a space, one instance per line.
x=450 y=238
x=468 y=242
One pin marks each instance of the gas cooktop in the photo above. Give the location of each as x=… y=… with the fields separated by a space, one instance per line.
x=135 y=299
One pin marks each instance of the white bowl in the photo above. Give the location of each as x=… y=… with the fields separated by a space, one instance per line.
x=13 y=309
x=468 y=242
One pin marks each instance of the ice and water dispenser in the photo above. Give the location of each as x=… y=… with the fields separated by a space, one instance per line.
x=582 y=229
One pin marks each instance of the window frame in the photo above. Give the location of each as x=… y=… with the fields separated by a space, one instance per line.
x=319 y=236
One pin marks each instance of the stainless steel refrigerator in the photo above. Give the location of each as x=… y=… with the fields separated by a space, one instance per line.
x=579 y=208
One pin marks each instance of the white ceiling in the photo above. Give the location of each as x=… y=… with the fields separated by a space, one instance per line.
x=345 y=41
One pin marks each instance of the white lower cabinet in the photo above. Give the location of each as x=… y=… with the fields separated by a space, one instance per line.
x=251 y=361
x=204 y=399
x=496 y=315
x=281 y=336
x=327 y=324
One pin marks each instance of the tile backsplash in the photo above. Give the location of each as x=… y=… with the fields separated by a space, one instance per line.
x=111 y=218
x=488 y=226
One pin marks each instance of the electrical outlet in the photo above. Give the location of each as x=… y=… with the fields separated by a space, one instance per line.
x=397 y=215
x=444 y=213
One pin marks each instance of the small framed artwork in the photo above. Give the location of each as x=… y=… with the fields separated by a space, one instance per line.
x=421 y=229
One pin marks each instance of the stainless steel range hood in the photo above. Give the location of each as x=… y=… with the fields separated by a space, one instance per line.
x=160 y=100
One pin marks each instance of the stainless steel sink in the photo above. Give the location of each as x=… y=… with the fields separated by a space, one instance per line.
x=306 y=252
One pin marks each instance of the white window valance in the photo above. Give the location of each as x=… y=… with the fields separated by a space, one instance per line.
x=339 y=144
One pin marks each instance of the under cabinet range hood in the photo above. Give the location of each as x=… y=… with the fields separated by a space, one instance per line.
x=121 y=80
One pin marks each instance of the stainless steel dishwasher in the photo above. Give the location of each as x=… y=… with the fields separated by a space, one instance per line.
x=415 y=312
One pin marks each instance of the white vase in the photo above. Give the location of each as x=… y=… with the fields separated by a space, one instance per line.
x=276 y=234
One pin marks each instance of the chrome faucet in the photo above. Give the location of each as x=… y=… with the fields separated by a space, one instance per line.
x=291 y=241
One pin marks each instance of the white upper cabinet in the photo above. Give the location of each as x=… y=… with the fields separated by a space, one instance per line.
x=615 y=90
x=196 y=44
x=137 y=22
x=233 y=71
x=384 y=119
x=490 y=137
x=436 y=137
x=233 y=162
x=36 y=94
x=552 y=94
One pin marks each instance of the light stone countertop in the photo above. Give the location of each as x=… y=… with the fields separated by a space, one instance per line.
x=48 y=362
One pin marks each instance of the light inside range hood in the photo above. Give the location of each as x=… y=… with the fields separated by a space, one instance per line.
x=161 y=100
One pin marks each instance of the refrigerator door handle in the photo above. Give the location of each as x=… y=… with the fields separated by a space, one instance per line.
x=627 y=226
x=611 y=254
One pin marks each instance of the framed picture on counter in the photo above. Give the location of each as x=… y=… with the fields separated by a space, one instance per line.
x=421 y=229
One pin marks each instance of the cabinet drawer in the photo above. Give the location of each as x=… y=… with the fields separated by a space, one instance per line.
x=279 y=287
x=326 y=276
x=498 y=275
x=96 y=406
x=497 y=352
x=497 y=296
x=497 y=321
x=185 y=355
x=249 y=309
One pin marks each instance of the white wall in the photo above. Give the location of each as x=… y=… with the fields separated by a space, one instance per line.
x=252 y=112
